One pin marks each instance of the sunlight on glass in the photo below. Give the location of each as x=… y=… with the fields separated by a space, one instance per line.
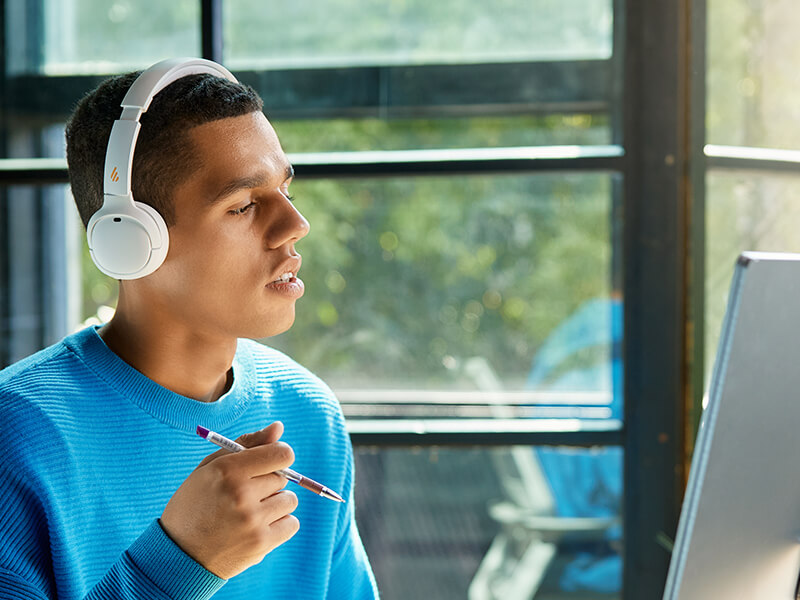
x=100 y=36
x=752 y=78
x=352 y=33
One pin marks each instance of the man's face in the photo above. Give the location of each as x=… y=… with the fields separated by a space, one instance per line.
x=234 y=235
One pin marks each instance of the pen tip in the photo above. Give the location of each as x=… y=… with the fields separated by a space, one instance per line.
x=333 y=495
x=202 y=431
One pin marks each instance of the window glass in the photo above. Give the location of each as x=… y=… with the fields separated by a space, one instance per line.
x=475 y=282
x=752 y=82
x=342 y=135
x=99 y=36
x=285 y=33
x=466 y=524
x=744 y=211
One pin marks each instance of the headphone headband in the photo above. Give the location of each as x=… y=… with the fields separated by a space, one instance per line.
x=125 y=131
x=129 y=239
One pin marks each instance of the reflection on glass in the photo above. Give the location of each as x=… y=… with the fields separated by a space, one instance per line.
x=744 y=211
x=98 y=36
x=347 y=33
x=490 y=523
x=752 y=79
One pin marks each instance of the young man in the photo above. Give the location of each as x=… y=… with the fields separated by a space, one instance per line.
x=106 y=490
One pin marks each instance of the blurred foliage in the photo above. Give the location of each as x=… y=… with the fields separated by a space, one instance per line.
x=407 y=278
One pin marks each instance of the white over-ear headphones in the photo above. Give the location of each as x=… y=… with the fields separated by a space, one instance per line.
x=129 y=239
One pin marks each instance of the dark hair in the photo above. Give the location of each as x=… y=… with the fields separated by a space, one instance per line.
x=164 y=156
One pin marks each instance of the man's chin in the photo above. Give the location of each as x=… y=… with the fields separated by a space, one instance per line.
x=261 y=331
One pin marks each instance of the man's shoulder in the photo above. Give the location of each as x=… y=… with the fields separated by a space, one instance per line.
x=281 y=373
x=304 y=403
x=47 y=381
x=35 y=389
x=41 y=369
x=278 y=367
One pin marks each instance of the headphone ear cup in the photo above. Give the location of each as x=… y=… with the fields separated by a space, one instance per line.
x=160 y=245
x=127 y=241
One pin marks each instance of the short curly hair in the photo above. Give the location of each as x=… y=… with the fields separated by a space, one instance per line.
x=164 y=156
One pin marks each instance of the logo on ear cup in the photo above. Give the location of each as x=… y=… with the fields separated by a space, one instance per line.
x=114 y=175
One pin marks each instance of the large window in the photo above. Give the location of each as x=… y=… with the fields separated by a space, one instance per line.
x=486 y=226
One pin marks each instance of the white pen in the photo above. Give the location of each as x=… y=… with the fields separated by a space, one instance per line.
x=301 y=480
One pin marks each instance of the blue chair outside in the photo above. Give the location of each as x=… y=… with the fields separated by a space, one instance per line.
x=583 y=354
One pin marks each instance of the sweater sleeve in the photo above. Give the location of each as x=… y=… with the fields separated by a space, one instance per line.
x=351 y=575
x=152 y=568
x=155 y=568
x=26 y=570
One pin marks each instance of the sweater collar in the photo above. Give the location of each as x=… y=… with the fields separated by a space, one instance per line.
x=179 y=412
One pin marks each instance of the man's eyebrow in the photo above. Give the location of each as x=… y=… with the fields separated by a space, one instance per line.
x=246 y=183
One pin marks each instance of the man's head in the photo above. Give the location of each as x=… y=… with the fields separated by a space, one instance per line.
x=209 y=161
x=164 y=155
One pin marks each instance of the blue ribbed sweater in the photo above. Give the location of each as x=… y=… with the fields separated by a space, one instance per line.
x=92 y=450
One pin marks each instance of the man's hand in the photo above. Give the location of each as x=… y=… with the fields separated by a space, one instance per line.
x=232 y=510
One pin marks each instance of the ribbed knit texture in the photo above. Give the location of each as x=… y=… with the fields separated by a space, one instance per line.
x=93 y=450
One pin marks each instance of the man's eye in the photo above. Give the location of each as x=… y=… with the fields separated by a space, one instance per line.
x=242 y=210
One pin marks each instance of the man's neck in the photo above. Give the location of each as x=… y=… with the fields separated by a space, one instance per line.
x=174 y=356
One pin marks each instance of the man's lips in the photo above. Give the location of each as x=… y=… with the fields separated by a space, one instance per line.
x=293 y=288
x=287 y=271
x=286 y=278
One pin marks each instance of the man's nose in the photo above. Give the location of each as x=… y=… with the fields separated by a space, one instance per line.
x=289 y=225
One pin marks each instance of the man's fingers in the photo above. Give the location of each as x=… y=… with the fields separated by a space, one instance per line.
x=266 y=459
x=256 y=461
x=268 y=435
x=263 y=487
x=284 y=529
x=278 y=505
x=211 y=457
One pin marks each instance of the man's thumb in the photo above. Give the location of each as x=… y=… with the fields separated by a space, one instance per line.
x=269 y=435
